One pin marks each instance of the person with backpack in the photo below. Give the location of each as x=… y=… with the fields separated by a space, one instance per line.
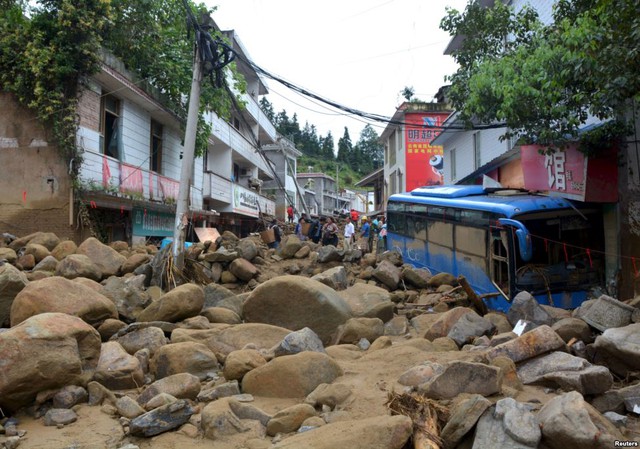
x=277 y=234
x=315 y=231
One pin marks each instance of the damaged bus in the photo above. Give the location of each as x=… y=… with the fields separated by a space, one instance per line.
x=502 y=241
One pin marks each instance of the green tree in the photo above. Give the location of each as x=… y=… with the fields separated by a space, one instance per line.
x=544 y=81
x=328 y=151
x=42 y=60
x=408 y=93
x=371 y=149
x=267 y=108
x=345 y=147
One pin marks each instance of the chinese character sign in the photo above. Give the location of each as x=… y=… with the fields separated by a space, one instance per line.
x=424 y=162
x=568 y=173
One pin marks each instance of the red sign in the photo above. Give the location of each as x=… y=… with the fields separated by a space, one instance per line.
x=424 y=162
x=130 y=179
x=570 y=174
x=168 y=187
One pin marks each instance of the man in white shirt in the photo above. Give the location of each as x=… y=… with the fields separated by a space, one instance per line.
x=349 y=230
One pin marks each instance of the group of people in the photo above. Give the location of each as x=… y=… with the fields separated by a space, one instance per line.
x=326 y=230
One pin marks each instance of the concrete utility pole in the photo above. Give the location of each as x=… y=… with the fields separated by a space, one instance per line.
x=186 y=174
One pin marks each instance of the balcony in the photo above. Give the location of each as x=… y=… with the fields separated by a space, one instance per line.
x=229 y=136
x=254 y=114
x=217 y=188
x=100 y=173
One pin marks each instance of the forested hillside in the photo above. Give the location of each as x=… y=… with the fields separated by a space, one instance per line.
x=320 y=154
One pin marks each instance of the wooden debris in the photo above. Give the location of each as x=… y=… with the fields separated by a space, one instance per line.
x=427 y=415
x=477 y=303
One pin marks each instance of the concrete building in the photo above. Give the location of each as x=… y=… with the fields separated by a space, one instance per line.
x=410 y=160
x=131 y=161
x=326 y=198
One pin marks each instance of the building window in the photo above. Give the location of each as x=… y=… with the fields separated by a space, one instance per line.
x=476 y=151
x=452 y=163
x=110 y=133
x=392 y=149
x=156 y=147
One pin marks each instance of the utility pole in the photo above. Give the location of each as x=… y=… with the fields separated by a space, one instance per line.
x=338 y=188
x=182 y=205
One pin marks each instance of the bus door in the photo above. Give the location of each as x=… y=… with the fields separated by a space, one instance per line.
x=499 y=260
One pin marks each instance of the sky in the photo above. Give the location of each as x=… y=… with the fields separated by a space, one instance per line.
x=359 y=53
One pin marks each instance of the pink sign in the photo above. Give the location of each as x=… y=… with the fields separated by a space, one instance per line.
x=168 y=187
x=570 y=174
x=130 y=179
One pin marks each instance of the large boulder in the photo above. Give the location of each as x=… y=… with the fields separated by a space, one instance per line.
x=181 y=386
x=78 y=265
x=64 y=249
x=224 y=339
x=47 y=351
x=8 y=255
x=388 y=274
x=47 y=239
x=161 y=419
x=357 y=328
x=128 y=294
x=180 y=303
x=39 y=252
x=536 y=342
x=468 y=327
x=243 y=269
x=619 y=349
x=336 y=278
x=508 y=425
x=186 y=357
x=526 y=308
x=378 y=432
x=215 y=295
x=295 y=302
x=568 y=422
x=247 y=249
x=118 y=370
x=444 y=323
x=12 y=282
x=151 y=338
x=106 y=258
x=57 y=294
x=291 y=376
x=562 y=370
x=463 y=377
x=290 y=246
x=239 y=363
x=366 y=300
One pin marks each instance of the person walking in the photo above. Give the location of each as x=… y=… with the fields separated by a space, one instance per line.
x=349 y=232
x=277 y=234
x=298 y=230
x=365 y=233
x=330 y=233
x=382 y=236
x=290 y=213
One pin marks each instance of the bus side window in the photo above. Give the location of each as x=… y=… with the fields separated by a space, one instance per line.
x=416 y=227
x=396 y=223
x=500 y=260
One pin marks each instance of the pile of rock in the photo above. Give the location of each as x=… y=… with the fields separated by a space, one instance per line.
x=88 y=326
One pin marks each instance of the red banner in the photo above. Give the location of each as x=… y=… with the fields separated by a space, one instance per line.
x=570 y=174
x=168 y=187
x=130 y=179
x=424 y=162
x=106 y=172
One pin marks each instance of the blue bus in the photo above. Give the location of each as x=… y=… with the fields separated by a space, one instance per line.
x=502 y=241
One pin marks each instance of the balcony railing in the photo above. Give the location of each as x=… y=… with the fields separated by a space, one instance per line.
x=105 y=174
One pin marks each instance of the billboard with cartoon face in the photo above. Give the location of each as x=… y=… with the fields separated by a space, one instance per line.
x=424 y=162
